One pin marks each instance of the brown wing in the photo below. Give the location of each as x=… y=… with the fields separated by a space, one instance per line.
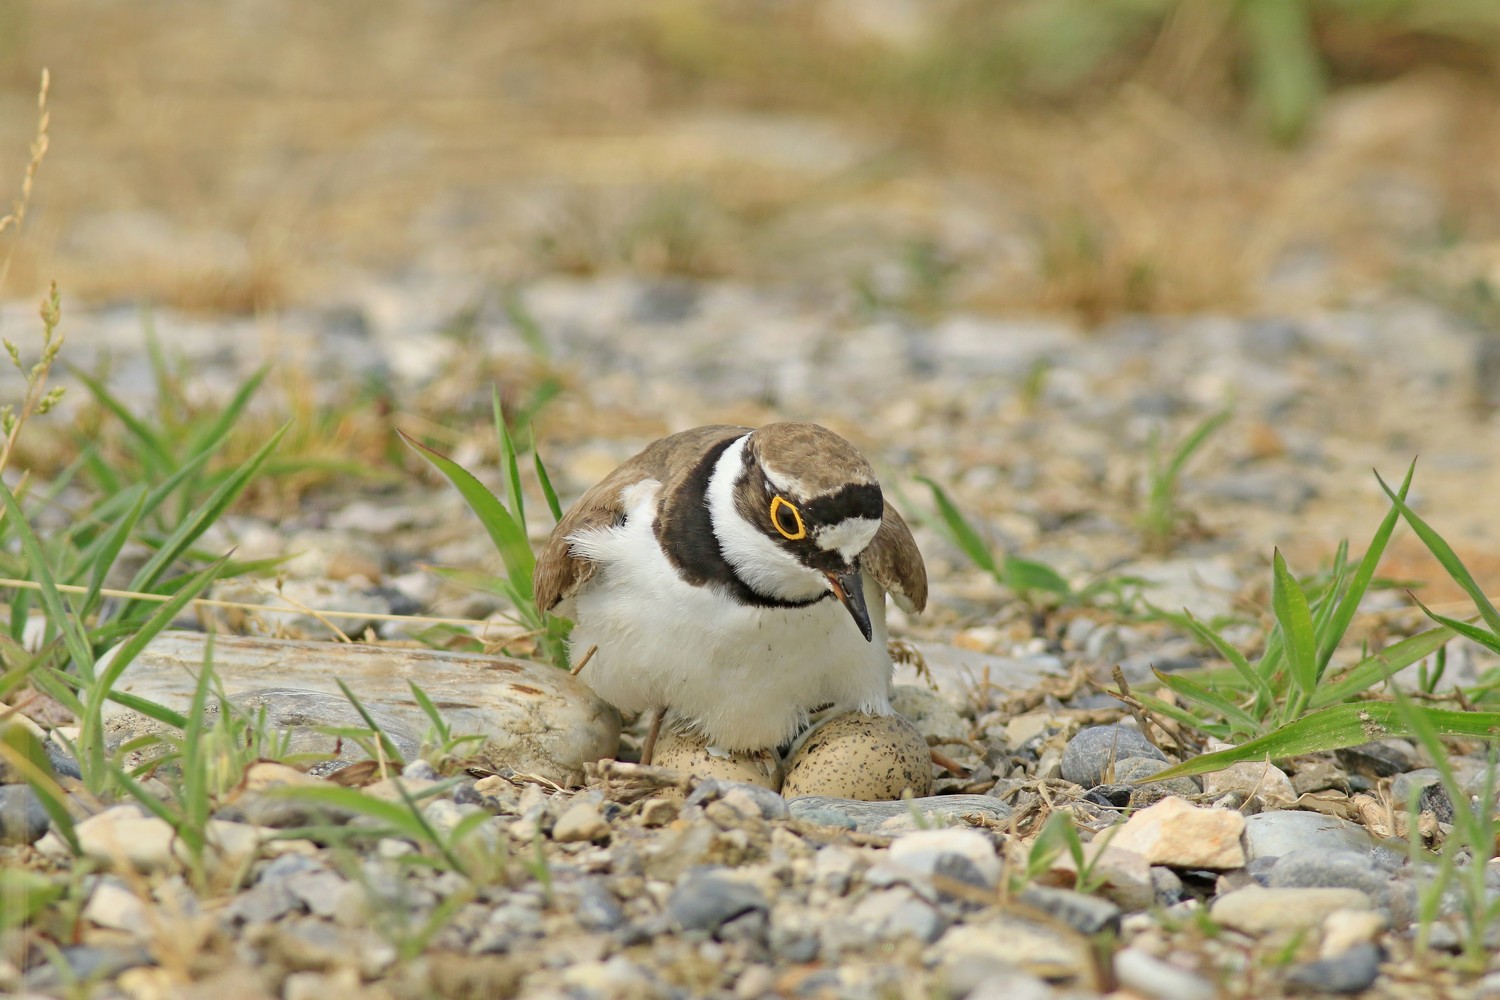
x=559 y=573
x=895 y=562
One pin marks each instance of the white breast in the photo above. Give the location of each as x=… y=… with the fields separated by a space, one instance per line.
x=746 y=676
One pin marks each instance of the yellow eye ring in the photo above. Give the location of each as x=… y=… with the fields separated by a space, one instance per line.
x=800 y=531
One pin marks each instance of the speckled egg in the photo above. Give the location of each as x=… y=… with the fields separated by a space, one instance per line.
x=857 y=756
x=689 y=751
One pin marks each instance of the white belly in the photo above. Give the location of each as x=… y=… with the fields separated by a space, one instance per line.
x=746 y=676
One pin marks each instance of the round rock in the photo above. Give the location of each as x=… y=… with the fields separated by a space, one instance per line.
x=22 y=818
x=1088 y=754
x=856 y=756
x=706 y=901
x=1317 y=868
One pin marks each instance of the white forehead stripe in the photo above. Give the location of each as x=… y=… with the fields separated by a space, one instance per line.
x=848 y=538
x=784 y=483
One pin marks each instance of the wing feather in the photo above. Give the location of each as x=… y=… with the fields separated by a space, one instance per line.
x=895 y=562
x=559 y=573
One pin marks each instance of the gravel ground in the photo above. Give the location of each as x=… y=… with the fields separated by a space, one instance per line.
x=621 y=881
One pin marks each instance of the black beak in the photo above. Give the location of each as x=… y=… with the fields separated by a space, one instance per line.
x=850 y=590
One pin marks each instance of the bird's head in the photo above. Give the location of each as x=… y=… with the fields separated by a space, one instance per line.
x=806 y=505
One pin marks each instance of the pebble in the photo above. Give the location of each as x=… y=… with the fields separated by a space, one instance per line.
x=749 y=799
x=1353 y=971
x=1084 y=913
x=1149 y=976
x=111 y=904
x=1272 y=834
x=896 y=913
x=84 y=963
x=1312 y=868
x=932 y=714
x=1035 y=948
x=22 y=818
x=595 y=907
x=1343 y=929
x=706 y=901
x=1257 y=779
x=1176 y=833
x=1089 y=754
x=900 y=817
x=965 y=855
x=579 y=822
x=1136 y=772
x=1255 y=910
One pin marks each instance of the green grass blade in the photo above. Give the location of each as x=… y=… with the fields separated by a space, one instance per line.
x=1239 y=720
x=1264 y=695
x=509 y=538
x=1337 y=727
x=546 y=481
x=1447 y=557
x=1377 y=667
x=152 y=451
x=508 y=463
x=440 y=729
x=195 y=790
x=74 y=638
x=396 y=816
x=199 y=521
x=951 y=523
x=1179 y=714
x=108 y=550
x=1289 y=604
x=91 y=737
x=1192 y=443
x=1024 y=575
x=387 y=745
x=1329 y=638
x=211 y=436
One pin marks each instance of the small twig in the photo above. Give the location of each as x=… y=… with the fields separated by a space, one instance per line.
x=584 y=660
x=947 y=763
x=1138 y=710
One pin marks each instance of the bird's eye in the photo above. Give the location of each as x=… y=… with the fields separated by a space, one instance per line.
x=788 y=519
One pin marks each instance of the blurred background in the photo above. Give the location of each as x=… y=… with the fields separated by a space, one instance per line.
x=1081 y=157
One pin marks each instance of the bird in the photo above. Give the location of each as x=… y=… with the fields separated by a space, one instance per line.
x=733 y=581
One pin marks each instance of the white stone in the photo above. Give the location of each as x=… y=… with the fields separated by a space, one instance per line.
x=579 y=822
x=921 y=851
x=1175 y=832
x=1256 y=910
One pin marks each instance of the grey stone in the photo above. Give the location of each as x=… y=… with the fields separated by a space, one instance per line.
x=85 y=963
x=595 y=907
x=965 y=855
x=536 y=719
x=770 y=804
x=1166 y=884
x=1339 y=869
x=1135 y=771
x=1084 y=913
x=1379 y=758
x=1273 y=834
x=1145 y=975
x=1353 y=971
x=967 y=677
x=1089 y=753
x=1403 y=786
x=705 y=901
x=900 y=817
x=22 y=818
